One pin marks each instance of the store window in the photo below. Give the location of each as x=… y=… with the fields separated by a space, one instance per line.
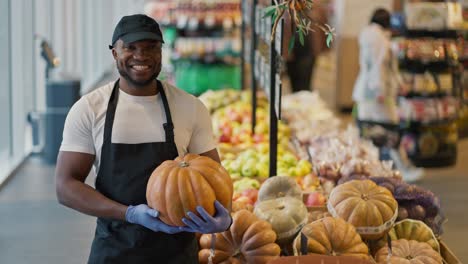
x=5 y=108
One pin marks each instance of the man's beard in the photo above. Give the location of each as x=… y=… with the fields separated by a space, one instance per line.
x=125 y=75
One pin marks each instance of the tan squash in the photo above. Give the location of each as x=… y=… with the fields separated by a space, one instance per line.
x=367 y=206
x=249 y=240
x=316 y=215
x=178 y=186
x=409 y=252
x=286 y=215
x=240 y=205
x=279 y=186
x=333 y=237
x=410 y=229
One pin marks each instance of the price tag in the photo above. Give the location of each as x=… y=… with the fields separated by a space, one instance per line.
x=247 y=49
x=262 y=73
x=267 y=32
x=257 y=65
x=279 y=37
x=278 y=88
x=257 y=18
x=267 y=76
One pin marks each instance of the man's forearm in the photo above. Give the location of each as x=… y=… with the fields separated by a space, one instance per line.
x=82 y=197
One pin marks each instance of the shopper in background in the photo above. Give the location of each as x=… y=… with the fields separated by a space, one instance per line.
x=376 y=92
x=301 y=60
x=124 y=130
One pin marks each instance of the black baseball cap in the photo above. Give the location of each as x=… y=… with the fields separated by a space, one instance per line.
x=136 y=27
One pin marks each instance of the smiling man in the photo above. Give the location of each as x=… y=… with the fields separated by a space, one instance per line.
x=123 y=131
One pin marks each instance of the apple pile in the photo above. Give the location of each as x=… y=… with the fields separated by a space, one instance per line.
x=254 y=163
x=216 y=99
x=233 y=125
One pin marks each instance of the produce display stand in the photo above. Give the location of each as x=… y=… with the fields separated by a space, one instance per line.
x=261 y=61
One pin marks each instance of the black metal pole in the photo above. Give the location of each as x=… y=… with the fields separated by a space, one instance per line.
x=273 y=114
x=253 y=83
x=242 y=80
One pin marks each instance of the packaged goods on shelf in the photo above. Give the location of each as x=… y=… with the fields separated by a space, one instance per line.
x=433 y=16
x=427 y=110
x=427 y=49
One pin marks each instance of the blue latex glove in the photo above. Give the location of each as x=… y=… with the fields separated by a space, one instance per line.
x=208 y=224
x=148 y=217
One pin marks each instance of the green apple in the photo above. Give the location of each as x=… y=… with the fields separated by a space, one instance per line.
x=262 y=170
x=249 y=169
x=245 y=183
x=289 y=159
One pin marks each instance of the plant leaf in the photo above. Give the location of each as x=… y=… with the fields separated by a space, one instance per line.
x=274 y=17
x=329 y=38
x=301 y=37
x=269 y=11
x=291 y=43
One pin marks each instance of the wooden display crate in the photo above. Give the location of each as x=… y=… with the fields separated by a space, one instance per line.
x=447 y=254
x=322 y=259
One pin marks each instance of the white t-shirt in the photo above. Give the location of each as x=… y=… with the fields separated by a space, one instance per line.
x=138 y=119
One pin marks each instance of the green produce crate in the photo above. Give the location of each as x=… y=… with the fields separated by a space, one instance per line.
x=197 y=78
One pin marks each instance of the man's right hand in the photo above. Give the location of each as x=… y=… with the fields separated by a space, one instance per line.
x=148 y=217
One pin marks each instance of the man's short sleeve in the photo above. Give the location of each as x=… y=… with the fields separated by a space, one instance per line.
x=77 y=132
x=202 y=139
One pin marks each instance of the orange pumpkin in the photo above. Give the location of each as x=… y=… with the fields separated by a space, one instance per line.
x=367 y=206
x=249 y=240
x=178 y=186
x=333 y=237
x=409 y=252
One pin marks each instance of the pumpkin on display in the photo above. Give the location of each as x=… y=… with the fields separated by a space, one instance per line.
x=408 y=252
x=286 y=215
x=279 y=186
x=410 y=229
x=333 y=237
x=248 y=240
x=178 y=186
x=367 y=206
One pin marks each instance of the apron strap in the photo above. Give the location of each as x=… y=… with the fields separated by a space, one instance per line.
x=168 y=126
x=111 y=107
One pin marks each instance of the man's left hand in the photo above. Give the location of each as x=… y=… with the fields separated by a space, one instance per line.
x=208 y=224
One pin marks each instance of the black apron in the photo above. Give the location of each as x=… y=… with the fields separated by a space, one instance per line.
x=123 y=175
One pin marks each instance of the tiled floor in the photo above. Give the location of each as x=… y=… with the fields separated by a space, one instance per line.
x=34 y=228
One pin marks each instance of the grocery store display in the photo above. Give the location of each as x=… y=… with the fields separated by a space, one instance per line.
x=180 y=185
x=356 y=200
x=326 y=175
x=205 y=45
x=412 y=230
x=287 y=216
x=333 y=237
x=428 y=53
x=248 y=240
x=410 y=252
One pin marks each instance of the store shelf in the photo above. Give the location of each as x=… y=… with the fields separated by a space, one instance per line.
x=202 y=27
x=420 y=33
x=415 y=95
x=409 y=125
x=209 y=59
x=420 y=66
x=442 y=159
